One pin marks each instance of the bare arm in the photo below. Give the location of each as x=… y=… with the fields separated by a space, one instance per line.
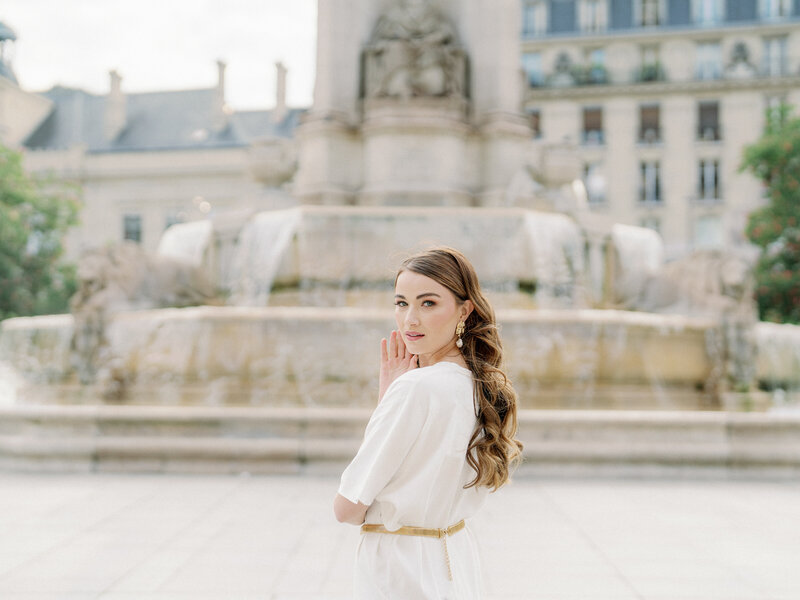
x=347 y=512
x=395 y=360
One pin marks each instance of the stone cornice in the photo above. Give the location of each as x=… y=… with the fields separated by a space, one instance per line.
x=651 y=35
x=661 y=88
x=421 y=115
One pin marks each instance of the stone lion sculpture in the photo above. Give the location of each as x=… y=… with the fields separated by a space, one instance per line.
x=706 y=282
x=717 y=284
x=125 y=277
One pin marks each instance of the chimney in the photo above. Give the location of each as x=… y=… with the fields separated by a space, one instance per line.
x=279 y=114
x=220 y=108
x=115 y=118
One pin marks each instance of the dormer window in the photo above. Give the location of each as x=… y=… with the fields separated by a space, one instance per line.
x=200 y=135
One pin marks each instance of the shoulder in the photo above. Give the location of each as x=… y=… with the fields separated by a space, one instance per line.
x=436 y=379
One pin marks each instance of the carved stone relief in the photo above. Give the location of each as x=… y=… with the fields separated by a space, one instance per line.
x=740 y=66
x=414 y=52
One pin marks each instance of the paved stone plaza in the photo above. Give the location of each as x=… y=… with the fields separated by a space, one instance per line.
x=76 y=537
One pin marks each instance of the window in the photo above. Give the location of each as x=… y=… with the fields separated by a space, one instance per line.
x=649 y=12
x=775 y=56
x=595 y=59
x=774 y=102
x=773 y=105
x=651 y=65
x=708 y=232
x=650 y=222
x=534 y=18
x=649 y=55
x=593 y=15
x=707 y=12
x=595 y=181
x=650 y=182
x=774 y=9
x=708 y=121
x=532 y=65
x=535 y=120
x=708 y=180
x=709 y=60
x=649 y=123
x=593 y=125
x=132 y=228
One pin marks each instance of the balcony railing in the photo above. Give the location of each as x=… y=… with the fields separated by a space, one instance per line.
x=650 y=135
x=589 y=74
x=650 y=197
x=593 y=137
x=650 y=72
x=709 y=133
x=707 y=199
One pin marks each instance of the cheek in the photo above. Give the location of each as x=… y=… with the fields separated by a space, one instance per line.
x=440 y=321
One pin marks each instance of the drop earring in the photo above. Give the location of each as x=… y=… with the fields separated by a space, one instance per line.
x=459 y=332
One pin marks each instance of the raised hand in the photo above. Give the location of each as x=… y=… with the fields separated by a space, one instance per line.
x=395 y=360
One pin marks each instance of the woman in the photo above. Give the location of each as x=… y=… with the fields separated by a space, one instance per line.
x=441 y=437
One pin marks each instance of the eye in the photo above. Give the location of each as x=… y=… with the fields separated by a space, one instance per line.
x=428 y=303
x=400 y=303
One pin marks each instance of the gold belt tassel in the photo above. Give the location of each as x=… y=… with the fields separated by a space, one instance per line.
x=447 y=559
x=421 y=531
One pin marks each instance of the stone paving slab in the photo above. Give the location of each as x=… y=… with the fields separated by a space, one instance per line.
x=161 y=537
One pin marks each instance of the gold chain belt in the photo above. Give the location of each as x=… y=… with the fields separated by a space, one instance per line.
x=421 y=531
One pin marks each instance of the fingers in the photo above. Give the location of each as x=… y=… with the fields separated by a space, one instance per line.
x=397 y=349
x=384 y=351
x=412 y=361
x=401 y=346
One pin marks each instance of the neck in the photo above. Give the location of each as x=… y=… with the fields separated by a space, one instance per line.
x=449 y=353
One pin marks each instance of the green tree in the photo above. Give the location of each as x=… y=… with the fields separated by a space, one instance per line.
x=34 y=216
x=775 y=227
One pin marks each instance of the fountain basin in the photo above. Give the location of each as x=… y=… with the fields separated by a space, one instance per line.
x=328 y=357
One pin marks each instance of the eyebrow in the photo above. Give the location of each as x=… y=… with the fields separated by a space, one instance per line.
x=418 y=297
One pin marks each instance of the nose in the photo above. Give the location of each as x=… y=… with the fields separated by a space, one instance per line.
x=411 y=318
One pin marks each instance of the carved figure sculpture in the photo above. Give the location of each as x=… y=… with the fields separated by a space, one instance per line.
x=125 y=277
x=413 y=52
x=740 y=66
x=562 y=75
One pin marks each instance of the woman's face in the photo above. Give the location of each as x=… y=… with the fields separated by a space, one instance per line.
x=427 y=314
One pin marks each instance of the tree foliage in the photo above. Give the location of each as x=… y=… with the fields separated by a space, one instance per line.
x=775 y=159
x=34 y=217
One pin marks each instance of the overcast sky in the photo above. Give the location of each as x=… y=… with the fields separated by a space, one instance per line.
x=165 y=45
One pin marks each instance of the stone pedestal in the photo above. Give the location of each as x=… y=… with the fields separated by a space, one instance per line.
x=416 y=152
x=434 y=115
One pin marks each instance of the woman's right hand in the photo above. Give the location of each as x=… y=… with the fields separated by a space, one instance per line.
x=395 y=360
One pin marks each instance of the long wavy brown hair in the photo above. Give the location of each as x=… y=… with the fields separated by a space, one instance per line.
x=493 y=451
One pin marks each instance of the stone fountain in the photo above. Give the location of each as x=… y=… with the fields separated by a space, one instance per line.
x=415 y=138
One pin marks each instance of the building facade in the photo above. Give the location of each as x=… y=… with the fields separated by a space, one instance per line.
x=145 y=161
x=661 y=96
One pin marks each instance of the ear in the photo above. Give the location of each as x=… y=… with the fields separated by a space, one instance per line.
x=466 y=309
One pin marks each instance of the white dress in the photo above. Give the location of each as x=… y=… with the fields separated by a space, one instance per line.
x=410 y=470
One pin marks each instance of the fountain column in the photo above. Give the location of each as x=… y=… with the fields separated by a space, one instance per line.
x=490 y=29
x=330 y=149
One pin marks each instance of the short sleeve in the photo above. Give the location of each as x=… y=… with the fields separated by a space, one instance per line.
x=393 y=428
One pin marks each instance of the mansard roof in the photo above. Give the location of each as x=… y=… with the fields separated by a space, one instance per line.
x=7 y=72
x=6 y=33
x=171 y=120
